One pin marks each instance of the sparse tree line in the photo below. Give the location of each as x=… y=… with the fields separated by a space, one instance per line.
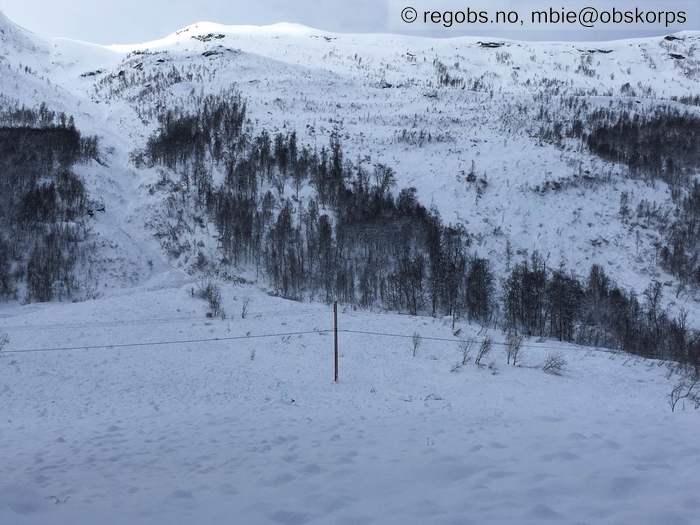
x=596 y=312
x=354 y=239
x=659 y=144
x=680 y=255
x=146 y=76
x=43 y=204
x=317 y=226
x=664 y=144
x=690 y=100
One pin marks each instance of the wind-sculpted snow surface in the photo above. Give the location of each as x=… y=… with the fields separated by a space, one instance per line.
x=254 y=431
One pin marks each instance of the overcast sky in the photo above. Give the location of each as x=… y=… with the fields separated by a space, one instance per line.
x=129 y=21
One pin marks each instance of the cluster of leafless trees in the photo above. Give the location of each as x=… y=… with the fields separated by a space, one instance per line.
x=660 y=144
x=664 y=144
x=353 y=238
x=680 y=254
x=43 y=203
x=553 y=303
x=319 y=226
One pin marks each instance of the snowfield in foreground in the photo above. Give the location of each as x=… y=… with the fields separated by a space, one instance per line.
x=254 y=431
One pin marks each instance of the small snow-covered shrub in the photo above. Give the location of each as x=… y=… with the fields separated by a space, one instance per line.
x=484 y=351
x=244 y=308
x=212 y=294
x=416 y=342
x=687 y=389
x=514 y=344
x=554 y=364
x=466 y=348
x=4 y=340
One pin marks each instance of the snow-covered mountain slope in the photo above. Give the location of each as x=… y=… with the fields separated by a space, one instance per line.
x=381 y=94
x=38 y=71
x=16 y=39
x=384 y=96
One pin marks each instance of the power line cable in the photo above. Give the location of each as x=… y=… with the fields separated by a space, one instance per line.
x=448 y=340
x=160 y=343
x=261 y=336
x=140 y=322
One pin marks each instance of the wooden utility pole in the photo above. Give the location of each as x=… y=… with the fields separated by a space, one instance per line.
x=335 y=334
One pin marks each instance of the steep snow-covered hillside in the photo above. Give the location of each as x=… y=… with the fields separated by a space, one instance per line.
x=436 y=110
